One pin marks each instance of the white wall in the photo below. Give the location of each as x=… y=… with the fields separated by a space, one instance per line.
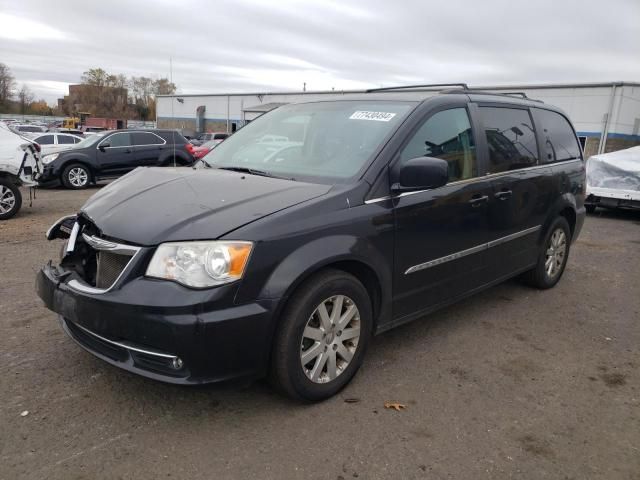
x=586 y=106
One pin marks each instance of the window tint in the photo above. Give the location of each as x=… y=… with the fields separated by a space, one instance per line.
x=559 y=141
x=510 y=137
x=447 y=135
x=119 y=140
x=145 y=138
x=45 y=140
x=220 y=136
x=63 y=139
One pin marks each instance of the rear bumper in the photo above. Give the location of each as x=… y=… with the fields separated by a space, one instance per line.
x=610 y=201
x=146 y=325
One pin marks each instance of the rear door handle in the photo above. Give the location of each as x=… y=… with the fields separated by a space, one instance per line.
x=478 y=200
x=128 y=150
x=503 y=194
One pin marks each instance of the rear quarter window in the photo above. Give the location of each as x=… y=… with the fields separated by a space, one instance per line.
x=559 y=142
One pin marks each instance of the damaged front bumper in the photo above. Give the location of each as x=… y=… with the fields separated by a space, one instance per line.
x=162 y=330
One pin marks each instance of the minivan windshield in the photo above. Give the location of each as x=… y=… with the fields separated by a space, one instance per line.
x=325 y=142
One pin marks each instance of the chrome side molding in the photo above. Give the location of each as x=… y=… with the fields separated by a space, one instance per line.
x=472 y=250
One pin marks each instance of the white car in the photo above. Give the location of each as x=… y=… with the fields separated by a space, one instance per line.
x=613 y=180
x=27 y=128
x=54 y=142
x=19 y=165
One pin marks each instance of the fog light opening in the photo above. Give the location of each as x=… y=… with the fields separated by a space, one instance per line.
x=177 y=363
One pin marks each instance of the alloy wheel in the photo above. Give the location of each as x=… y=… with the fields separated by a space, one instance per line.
x=78 y=177
x=556 y=251
x=7 y=200
x=330 y=339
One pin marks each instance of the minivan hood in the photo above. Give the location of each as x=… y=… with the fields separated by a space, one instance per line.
x=154 y=205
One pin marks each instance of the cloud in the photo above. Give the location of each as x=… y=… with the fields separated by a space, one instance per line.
x=24 y=30
x=249 y=45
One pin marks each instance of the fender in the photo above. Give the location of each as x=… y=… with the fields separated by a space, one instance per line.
x=313 y=256
x=566 y=200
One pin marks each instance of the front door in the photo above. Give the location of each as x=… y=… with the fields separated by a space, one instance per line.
x=441 y=234
x=116 y=154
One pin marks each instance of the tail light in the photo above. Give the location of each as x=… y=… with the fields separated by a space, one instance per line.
x=190 y=148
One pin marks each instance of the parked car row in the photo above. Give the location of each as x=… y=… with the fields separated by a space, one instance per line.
x=112 y=154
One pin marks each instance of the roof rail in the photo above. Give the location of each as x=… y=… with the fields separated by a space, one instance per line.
x=485 y=92
x=426 y=85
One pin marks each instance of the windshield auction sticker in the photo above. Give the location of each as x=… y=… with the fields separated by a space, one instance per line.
x=375 y=116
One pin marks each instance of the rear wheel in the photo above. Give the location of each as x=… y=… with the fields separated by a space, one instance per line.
x=76 y=176
x=323 y=337
x=553 y=256
x=10 y=199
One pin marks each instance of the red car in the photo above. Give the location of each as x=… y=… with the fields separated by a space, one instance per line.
x=201 y=150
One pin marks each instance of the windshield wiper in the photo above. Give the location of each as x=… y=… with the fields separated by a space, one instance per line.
x=253 y=171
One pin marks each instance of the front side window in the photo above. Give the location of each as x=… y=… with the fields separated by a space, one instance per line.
x=45 y=140
x=446 y=135
x=559 y=140
x=326 y=142
x=119 y=140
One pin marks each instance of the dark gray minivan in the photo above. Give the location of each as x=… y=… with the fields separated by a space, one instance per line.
x=283 y=258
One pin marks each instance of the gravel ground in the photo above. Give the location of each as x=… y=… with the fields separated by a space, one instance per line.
x=511 y=383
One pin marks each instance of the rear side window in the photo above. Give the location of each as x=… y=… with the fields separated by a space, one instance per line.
x=220 y=136
x=173 y=137
x=446 y=135
x=45 y=140
x=63 y=139
x=558 y=139
x=510 y=137
x=146 y=138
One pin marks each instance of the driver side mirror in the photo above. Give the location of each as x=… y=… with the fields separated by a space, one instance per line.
x=422 y=173
x=104 y=145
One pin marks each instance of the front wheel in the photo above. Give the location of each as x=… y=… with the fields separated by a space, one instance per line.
x=553 y=257
x=76 y=176
x=591 y=208
x=10 y=199
x=322 y=339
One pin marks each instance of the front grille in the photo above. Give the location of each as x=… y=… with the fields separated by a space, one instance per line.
x=110 y=266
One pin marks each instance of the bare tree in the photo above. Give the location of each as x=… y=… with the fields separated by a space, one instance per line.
x=25 y=98
x=7 y=85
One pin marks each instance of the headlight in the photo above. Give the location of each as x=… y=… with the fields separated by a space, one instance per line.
x=49 y=158
x=200 y=264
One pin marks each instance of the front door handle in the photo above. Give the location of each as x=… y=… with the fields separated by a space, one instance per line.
x=478 y=200
x=503 y=194
x=128 y=150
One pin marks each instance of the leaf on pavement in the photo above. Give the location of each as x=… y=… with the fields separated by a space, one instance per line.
x=395 y=406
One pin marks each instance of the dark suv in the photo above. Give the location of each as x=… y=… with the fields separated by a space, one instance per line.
x=284 y=258
x=114 y=153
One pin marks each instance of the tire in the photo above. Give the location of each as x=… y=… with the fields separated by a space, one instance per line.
x=551 y=264
x=328 y=368
x=590 y=208
x=76 y=176
x=10 y=199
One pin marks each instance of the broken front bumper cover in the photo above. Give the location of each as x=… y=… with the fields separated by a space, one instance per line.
x=162 y=330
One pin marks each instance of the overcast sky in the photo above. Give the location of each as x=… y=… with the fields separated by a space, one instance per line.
x=267 y=45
